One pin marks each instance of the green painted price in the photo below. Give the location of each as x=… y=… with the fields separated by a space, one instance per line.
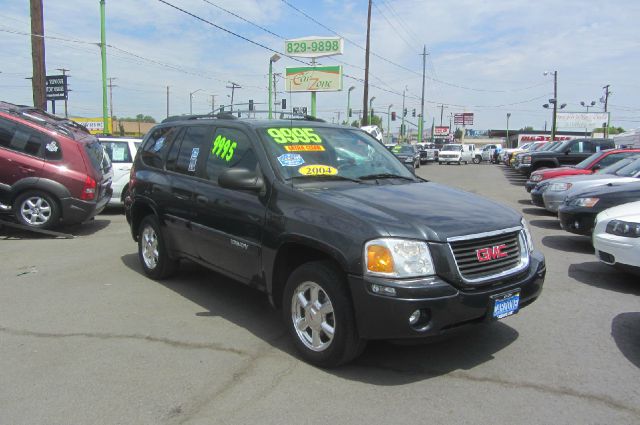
x=223 y=148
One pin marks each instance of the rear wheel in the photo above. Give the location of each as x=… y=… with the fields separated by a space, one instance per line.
x=476 y=160
x=319 y=315
x=152 y=250
x=36 y=209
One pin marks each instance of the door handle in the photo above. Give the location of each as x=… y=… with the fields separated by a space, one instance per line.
x=202 y=199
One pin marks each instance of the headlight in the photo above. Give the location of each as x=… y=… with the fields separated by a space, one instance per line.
x=397 y=258
x=536 y=177
x=559 y=187
x=584 y=202
x=623 y=228
x=527 y=234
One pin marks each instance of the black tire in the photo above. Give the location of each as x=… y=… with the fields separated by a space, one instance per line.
x=418 y=164
x=156 y=262
x=36 y=209
x=476 y=160
x=345 y=344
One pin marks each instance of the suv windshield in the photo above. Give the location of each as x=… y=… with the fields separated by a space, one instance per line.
x=451 y=148
x=325 y=151
x=403 y=150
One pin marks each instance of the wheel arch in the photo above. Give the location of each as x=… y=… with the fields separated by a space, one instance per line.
x=139 y=210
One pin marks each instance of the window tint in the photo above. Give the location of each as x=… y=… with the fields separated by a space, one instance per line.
x=193 y=143
x=157 y=145
x=7 y=129
x=97 y=155
x=24 y=139
x=230 y=148
x=611 y=159
x=118 y=151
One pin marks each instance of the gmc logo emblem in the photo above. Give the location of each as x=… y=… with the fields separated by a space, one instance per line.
x=491 y=253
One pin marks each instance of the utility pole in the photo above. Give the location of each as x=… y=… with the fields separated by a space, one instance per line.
x=233 y=88
x=37 y=55
x=213 y=103
x=606 y=102
x=111 y=85
x=365 y=97
x=167 y=101
x=103 y=51
x=441 y=113
x=64 y=73
x=421 y=120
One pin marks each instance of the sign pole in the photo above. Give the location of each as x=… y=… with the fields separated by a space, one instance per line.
x=103 y=51
x=313 y=94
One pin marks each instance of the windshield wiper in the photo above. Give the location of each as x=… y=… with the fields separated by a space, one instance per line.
x=385 y=176
x=325 y=177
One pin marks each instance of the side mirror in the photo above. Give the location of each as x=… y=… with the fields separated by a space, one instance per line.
x=240 y=179
x=596 y=167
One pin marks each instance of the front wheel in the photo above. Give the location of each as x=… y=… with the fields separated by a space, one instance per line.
x=476 y=160
x=37 y=210
x=152 y=250
x=319 y=315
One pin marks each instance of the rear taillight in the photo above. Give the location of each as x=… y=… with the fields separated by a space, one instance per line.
x=88 y=190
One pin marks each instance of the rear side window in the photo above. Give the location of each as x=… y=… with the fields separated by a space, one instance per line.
x=192 y=147
x=229 y=148
x=118 y=152
x=23 y=139
x=98 y=157
x=612 y=159
x=157 y=146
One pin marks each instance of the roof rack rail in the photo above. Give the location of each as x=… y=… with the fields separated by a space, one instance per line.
x=49 y=120
x=220 y=116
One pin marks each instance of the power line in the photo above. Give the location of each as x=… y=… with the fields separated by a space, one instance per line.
x=392 y=26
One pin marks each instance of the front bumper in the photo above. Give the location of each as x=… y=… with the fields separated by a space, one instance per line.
x=529 y=185
x=577 y=220
x=447 y=307
x=536 y=199
x=523 y=168
x=448 y=159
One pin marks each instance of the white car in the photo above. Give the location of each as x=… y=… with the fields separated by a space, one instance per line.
x=374 y=131
x=122 y=151
x=616 y=236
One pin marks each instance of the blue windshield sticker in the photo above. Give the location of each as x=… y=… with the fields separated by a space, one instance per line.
x=290 y=160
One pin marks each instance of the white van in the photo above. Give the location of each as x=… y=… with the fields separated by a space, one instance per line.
x=122 y=151
x=456 y=152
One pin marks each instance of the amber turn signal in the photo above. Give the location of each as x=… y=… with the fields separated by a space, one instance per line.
x=379 y=259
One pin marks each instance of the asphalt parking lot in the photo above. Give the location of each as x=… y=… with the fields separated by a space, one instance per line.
x=86 y=338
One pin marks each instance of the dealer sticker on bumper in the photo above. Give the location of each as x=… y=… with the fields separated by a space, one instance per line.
x=506 y=304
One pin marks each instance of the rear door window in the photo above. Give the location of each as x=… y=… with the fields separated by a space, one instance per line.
x=22 y=139
x=192 y=147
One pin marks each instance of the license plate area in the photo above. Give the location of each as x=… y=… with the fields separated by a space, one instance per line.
x=505 y=304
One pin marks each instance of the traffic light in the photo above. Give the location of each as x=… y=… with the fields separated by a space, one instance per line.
x=413 y=113
x=284 y=103
x=250 y=104
x=404 y=112
x=350 y=112
x=393 y=116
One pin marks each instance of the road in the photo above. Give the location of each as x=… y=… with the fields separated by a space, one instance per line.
x=86 y=338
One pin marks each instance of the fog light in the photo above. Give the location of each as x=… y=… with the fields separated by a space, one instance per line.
x=383 y=290
x=577 y=224
x=415 y=316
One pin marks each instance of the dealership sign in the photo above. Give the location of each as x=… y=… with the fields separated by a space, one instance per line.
x=441 y=131
x=581 y=120
x=463 y=119
x=314 y=79
x=528 y=138
x=314 y=47
x=94 y=125
x=56 y=87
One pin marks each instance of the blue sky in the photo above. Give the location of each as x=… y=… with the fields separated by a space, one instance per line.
x=485 y=57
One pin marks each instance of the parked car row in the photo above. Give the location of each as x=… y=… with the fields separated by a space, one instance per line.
x=597 y=197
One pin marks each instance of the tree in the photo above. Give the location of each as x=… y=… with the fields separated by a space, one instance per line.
x=355 y=123
x=139 y=117
x=527 y=128
x=612 y=130
x=458 y=134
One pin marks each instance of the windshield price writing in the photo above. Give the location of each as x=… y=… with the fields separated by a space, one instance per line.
x=294 y=135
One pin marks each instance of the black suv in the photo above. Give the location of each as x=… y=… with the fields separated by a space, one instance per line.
x=569 y=152
x=348 y=242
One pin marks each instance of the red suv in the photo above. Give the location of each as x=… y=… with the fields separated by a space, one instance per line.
x=51 y=169
x=590 y=165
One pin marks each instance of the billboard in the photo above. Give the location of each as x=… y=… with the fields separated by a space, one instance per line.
x=314 y=79
x=441 y=131
x=581 y=120
x=465 y=118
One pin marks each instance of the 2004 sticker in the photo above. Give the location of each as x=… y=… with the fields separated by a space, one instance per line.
x=318 y=170
x=294 y=135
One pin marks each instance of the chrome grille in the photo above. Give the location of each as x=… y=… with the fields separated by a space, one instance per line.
x=465 y=252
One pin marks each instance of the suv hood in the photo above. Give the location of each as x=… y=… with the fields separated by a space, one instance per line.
x=590 y=177
x=425 y=210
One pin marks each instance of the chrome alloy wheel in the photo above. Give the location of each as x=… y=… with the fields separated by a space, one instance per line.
x=150 y=252
x=312 y=316
x=35 y=210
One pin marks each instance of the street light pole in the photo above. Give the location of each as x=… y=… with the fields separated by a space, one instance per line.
x=349 y=102
x=389 y=123
x=402 y=112
x=191 y=100
x=555 y=105
x=508 y=116
x=274 y=58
